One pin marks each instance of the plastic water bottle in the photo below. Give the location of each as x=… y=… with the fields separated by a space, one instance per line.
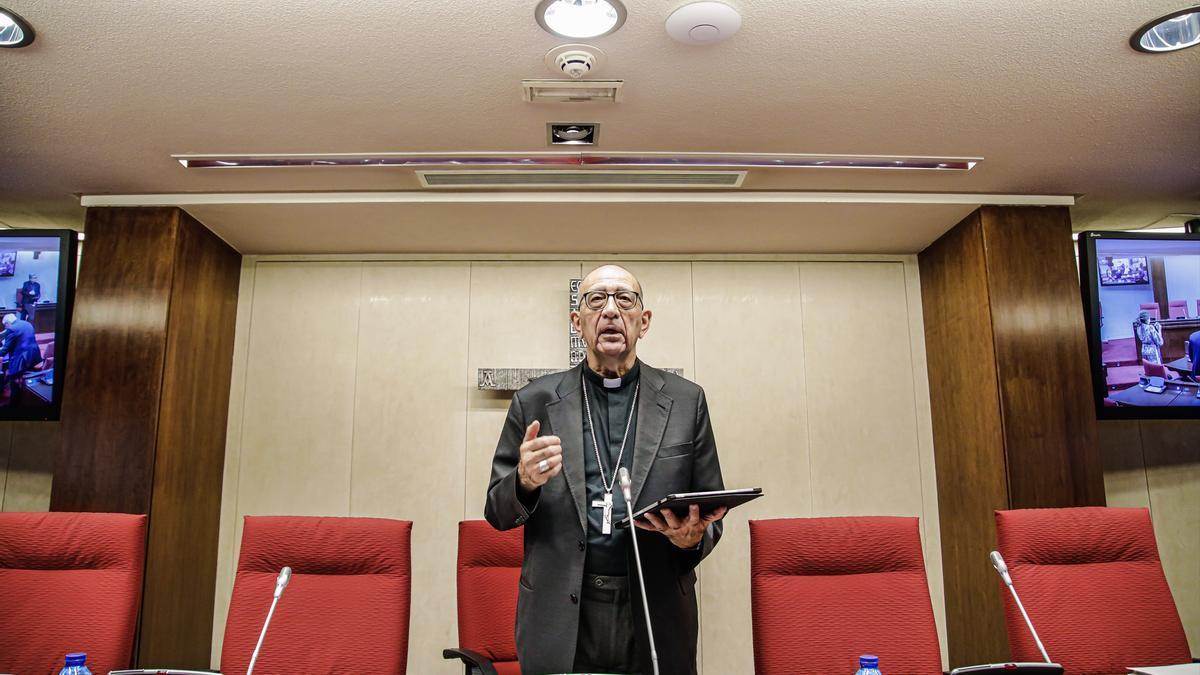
x=75 y=665
x=868 y=664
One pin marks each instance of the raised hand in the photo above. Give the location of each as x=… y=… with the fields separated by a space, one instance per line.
x=541 y=458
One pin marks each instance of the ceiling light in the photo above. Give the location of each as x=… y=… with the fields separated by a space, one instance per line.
x=1175 y=31
x=580 y=18
x=14 y=31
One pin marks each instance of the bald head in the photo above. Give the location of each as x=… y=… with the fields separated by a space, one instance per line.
x=610 y=274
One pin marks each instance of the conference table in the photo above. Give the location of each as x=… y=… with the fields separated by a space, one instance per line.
x=1176 y=394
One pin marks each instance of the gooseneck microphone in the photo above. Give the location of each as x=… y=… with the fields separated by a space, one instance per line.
x=623 y=478
x=1002 y=570
x=281 y=582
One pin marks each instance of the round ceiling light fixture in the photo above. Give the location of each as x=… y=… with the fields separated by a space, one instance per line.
x=703 y=23
x=580 y=19
x=14 y=31
x=1175 y=31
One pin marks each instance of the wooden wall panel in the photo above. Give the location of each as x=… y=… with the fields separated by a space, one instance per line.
x=967 y=438
x=115 y=368
x=192 y=413
x=1041 y=352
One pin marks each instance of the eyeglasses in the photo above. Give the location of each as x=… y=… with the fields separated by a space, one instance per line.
x=596 y=300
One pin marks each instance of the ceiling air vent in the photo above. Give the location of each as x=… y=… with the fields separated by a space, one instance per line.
x=592 y=178
x=571 y=91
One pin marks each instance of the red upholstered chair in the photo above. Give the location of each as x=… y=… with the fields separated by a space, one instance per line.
x=1094 y=588
x=1156 y=370
x=489 y=568
x=1177 y=309
x=1151 y=307
x=824 y=591
x=69 y=582
x=345 y=609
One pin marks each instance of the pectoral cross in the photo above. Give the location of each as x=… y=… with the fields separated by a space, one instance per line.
x=607 y=505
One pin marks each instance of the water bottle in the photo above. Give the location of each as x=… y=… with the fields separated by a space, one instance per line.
x=75 y=665
x=868 y=664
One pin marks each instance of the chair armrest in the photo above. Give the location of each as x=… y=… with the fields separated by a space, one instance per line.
x=471 y=660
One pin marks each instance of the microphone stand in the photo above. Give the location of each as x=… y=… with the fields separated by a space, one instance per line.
x=623 y=476
x=281 y=583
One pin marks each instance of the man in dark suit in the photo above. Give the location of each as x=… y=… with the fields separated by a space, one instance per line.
x=19 y=344
x=31 y=292
x=579 y=607
x=1193 y=352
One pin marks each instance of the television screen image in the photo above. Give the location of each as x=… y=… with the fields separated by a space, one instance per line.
x=1141 y=294
x=1124 y=271
x=8 y=263
x=37 y=283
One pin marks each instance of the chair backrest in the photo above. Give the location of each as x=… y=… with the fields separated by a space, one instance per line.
x=69 y=582
x=489 y=569
x=1151 y=307
x=1177 y=309
x=1092 y=583
x=1155 y=370
x=824 y=591
x=346 y=608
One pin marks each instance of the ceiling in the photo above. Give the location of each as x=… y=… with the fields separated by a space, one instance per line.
x=1048 y=92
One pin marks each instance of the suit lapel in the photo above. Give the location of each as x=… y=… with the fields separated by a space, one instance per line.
x=566 y=422
x=654 y=407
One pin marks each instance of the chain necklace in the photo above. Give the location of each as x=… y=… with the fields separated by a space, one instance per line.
x=607 y=502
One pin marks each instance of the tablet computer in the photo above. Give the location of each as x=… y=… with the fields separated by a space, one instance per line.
x=1010 y=669
x=708 y=501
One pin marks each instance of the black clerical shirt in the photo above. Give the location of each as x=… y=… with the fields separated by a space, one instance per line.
x=610 y=410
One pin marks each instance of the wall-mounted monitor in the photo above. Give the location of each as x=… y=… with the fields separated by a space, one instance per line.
x=1141 y=301
x=37 y=287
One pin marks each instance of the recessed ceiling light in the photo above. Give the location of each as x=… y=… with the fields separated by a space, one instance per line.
x=1175 y=31
x=580 y=18
x=14 y=31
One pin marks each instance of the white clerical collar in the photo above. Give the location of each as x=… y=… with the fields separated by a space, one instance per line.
x=612 y=383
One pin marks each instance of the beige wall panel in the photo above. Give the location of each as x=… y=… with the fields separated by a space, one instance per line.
x=31 y=465
x=1124 y=468
x=409 y=431
x=866 y=425
x=931 y=532
x=230 y=520
x=668 y=289
x=519 y=319
x=1172 y=452
x=749 y=361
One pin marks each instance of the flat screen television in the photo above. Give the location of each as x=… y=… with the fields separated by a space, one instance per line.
x=1124 y=271
x=1143 y=336
x=37 y=288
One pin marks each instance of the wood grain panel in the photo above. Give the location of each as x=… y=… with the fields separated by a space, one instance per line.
x=192 y=414
x=967 y=438
x=1041 y=354
x=114 y=375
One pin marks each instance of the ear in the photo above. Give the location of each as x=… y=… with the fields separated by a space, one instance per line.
x=646 y=316
x=576 y=324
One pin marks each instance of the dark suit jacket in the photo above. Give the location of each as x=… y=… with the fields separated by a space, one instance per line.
x=20 y=343
x=1193 y=351
x=674 y=451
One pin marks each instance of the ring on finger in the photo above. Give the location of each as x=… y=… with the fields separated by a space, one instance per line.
x=543 y=466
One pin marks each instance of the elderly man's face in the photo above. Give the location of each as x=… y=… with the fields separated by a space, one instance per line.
x=611 y=330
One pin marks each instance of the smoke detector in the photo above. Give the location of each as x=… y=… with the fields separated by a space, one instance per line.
x=703 y=23
x=575 y=61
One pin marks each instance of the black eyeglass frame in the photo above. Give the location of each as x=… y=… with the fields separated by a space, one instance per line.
x=583 y=299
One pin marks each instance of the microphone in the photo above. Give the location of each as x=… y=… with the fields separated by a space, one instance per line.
x=623 y=477
x=281 y=582
x=1002 y=570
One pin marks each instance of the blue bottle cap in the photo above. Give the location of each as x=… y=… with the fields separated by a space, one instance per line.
x=868 y=661
x=76 y=658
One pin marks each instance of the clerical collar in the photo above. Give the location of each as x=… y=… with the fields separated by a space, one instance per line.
x=611 y=383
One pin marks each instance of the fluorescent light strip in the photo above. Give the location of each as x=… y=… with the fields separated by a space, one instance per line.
x=251 y=198
x=645 y=159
